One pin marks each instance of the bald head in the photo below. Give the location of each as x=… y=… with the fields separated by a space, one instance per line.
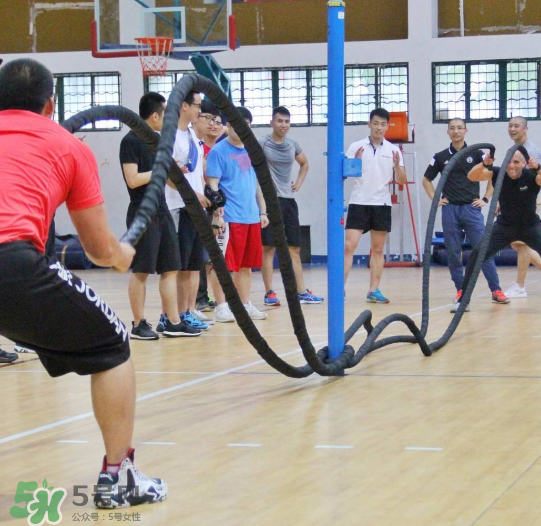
x=518 y=130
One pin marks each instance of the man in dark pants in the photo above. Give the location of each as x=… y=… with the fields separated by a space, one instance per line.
x=461 y=208
x=517 y=220
x=157 y=250
x=44 y=306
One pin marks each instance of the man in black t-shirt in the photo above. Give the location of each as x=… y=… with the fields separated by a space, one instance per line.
x=157 y=250
x=461 y=208
x=518 y=220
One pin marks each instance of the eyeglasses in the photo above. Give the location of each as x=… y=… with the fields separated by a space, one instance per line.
x=196 y=104
x=210 y=119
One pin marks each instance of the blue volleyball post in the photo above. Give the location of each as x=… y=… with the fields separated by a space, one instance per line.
x=335 y=176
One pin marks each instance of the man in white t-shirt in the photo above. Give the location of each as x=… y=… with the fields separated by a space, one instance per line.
x=370 y=202
x=188 y=154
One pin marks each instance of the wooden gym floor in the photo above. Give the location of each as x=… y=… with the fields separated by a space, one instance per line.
x=403 y=440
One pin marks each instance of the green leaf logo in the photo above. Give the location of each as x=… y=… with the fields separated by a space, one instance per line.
x=45 y=483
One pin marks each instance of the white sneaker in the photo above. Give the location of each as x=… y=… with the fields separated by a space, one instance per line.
x=198 y=315
x=514 y=291
x=254 y=313
x=223 y=314
x=455 y=307
x=20 y=348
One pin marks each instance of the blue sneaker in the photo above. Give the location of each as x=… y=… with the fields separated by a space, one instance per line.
x=189 y=320
x=160 y=327
x=271 y=299
x=375 y=296
x=308 y=297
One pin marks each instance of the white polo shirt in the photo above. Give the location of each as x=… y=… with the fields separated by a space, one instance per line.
x=181 y=150
x=378 y=167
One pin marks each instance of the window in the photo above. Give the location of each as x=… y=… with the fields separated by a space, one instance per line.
x=80 y=92
x=303 y=91
x=486 y=91
x=369 y=87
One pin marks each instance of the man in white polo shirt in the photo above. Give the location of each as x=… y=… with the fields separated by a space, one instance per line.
x=370 y=202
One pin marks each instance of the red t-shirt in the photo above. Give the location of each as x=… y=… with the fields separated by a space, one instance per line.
x=41 y=166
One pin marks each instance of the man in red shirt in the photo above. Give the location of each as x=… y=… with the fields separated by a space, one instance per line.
x=44 y=306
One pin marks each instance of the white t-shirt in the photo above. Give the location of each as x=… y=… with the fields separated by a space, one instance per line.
x=378 y=167
x=181 y=150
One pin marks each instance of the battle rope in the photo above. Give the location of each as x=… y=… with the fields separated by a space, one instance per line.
x=164 y=167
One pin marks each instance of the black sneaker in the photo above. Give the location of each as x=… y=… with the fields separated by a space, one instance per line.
x=143 y=331
x=7 y=357
x=180 y=329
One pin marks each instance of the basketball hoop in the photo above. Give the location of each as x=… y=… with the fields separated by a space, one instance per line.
x=153 y=53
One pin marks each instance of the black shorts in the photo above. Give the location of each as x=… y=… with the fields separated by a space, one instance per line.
x=190 y=244
x=48 y=309
x=368 y=217
x=290 y=213
x=157 y=250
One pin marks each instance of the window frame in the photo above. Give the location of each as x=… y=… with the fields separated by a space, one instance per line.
x=502 y=88
x=60 y=95
x=310 y=89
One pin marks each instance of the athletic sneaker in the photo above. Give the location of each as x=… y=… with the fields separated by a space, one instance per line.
x=457 y=297
x=499 y=297
x=206 y=305
x=128 y=487
x=143 y=331
x=223 y=314
x=7 y=357
x=515 y=291
x=20 y=348
x=307 y=297
x=254 y=313
x=189 y=320
x=454 y=308
x=198 y=315
x=271 y=299
x=180 y=329
x=375 y=296
x=160 y=326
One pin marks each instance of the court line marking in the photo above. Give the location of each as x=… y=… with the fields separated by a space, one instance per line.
x=72 y=441
x=244 y=445
x=178 y=387
x=416 y=448
x=159 y=443
x=149 y=396
x=322 y=446
x=505 y=491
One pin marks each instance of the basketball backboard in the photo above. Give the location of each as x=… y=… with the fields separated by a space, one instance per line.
x=195 y=25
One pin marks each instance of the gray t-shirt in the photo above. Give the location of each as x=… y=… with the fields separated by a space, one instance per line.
x=280 y=158
x=533 y=150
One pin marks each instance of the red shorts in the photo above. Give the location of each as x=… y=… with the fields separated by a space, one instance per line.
x=244 y=249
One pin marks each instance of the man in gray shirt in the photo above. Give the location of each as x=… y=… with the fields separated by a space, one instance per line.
x=518 y=131
x=281 y=152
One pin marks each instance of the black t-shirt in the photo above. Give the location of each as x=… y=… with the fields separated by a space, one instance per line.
x=135 y=151
x=518 y=198
x=458 y=189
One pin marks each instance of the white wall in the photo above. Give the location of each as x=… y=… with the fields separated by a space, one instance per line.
x=420 y=50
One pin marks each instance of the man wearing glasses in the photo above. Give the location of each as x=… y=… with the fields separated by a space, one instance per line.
x=461 y=208
x=188 y=154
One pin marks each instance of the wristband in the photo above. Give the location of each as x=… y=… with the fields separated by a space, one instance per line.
x=488 y=167
x=263 y=214
x=485 y=200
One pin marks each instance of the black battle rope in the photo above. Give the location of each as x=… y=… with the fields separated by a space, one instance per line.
x=164 y=167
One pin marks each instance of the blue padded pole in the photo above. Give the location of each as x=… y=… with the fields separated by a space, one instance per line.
x=335 y=177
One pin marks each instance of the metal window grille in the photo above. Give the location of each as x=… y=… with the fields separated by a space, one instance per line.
x=79 y=92
x=304 y=91
x=293 y=94
x=487 y=91
x=450 y=92
x=484 y=92
x=523 y=89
